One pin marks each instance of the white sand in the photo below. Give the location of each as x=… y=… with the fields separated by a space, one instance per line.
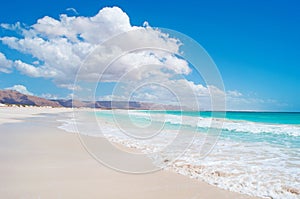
x=38 y=160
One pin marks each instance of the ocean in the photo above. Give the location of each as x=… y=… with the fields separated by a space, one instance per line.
x=254 y=153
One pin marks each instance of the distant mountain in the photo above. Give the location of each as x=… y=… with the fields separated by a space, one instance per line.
x=15 y=97
x=115 y=105
x=73 y=103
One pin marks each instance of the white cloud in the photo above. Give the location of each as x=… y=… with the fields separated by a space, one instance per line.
x=27 y=69
x=33 y=71
x=71 y=87
x=234 y=94
x=20 y=88
x=144 y=55
x=5 y=64
x=73 y=10
x=49 y=96
x=61 y=45
x=14 y=27
x=238 y=101
x=180 y=92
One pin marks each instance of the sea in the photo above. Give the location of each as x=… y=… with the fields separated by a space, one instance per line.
x=254 y=153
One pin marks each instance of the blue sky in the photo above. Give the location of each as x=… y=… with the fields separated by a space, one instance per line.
x=255 y=44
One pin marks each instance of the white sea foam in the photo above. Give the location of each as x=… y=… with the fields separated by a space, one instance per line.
x=255 y=168
x=225 y=124
x=68 y=125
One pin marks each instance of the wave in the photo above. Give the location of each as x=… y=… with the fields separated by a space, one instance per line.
x=253 y=168
x=224 y=124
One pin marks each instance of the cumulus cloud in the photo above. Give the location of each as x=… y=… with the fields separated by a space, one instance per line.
x=20 y=88
x=5 y=64
x=61 y=46
x=179 y=92
x=107 y=48
x=32 y=71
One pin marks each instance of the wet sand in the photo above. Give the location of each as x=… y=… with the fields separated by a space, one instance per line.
x=39 y=160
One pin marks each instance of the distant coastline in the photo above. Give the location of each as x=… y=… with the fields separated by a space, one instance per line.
x=15 y=98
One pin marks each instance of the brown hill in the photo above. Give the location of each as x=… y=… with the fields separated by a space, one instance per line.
x=15 y=97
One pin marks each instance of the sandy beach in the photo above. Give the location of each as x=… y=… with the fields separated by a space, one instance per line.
x=39 y=160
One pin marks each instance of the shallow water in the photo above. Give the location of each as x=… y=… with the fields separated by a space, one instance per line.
x=252 y=153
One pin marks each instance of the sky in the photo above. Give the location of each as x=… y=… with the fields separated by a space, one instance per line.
x=254 y=44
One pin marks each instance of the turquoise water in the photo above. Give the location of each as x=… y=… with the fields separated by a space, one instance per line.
x=263 y=117
x=282 y=129
x=258 y=151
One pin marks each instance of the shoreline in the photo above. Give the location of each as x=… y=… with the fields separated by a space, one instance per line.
x=41 y=160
